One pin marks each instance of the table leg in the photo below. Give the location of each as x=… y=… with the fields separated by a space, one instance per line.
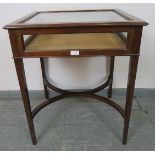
x=42 y=62
x=25 y=95
x=129 y=96
x=111 y=73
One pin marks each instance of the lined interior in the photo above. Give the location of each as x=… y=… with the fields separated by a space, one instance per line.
x=75 y=41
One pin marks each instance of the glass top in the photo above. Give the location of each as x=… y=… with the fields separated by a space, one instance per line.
x=76 y=17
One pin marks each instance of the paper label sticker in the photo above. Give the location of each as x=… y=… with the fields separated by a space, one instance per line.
x=74 y=52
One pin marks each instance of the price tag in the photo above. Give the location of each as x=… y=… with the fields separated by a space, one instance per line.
x=74 y=52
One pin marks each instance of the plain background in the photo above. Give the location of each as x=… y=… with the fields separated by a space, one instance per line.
x=79 y=73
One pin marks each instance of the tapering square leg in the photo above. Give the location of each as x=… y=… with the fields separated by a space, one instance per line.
x=129 y=96
x=112 y=59
x=42 y=62
x=25 y=95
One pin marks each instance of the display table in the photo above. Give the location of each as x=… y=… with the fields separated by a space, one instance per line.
x=75 y=34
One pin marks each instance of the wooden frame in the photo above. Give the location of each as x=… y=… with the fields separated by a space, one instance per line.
x=132 y=25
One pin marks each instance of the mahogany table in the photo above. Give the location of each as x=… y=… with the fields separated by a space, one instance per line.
x=76 y=34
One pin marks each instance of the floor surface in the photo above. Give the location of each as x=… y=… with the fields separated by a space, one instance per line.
x=78 y=124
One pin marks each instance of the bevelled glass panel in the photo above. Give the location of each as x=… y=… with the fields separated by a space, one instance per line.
x=76 y=17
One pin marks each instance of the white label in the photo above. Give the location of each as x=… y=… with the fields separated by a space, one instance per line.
x=74 y=53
